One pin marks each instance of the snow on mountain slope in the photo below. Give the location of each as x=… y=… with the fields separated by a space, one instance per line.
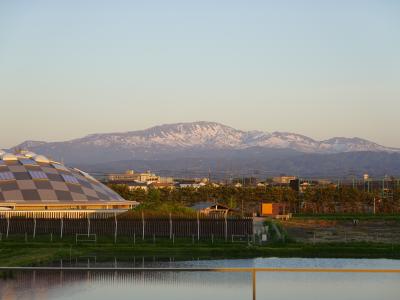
x=184 y=135
x=210 y=135
x=342 y=144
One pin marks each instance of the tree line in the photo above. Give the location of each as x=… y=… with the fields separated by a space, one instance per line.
x=320 y=199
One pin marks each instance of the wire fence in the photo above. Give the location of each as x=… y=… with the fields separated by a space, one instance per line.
x=138 y=227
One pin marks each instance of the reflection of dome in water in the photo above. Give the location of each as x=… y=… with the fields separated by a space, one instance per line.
x=30 y=182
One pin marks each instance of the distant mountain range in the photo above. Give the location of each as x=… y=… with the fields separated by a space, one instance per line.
x=199 y=146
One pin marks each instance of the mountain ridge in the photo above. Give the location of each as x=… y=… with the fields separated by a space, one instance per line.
x=197 y=147
x=214 y=135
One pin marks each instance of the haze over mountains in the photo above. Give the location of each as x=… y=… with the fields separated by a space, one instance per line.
x=199 y=146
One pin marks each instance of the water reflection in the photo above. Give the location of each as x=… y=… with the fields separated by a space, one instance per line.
x=67 y=284
x=134 y=284
x=272 y=262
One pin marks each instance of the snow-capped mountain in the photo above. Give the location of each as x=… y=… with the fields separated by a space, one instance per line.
x=215 y=135
x=160 y=141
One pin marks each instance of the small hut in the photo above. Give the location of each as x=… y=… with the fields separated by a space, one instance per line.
x=270 y=209
x=211 y=208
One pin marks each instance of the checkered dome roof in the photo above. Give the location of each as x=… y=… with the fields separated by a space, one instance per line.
x=34 y=178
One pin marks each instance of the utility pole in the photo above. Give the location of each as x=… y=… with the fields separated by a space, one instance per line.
x=374 y=205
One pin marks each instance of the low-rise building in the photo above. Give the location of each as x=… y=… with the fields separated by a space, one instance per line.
x=211 y=208
x=166 y=180
x=131 y=176
x=191 y=185
x=283 y=179
x=148 y=177
x=133 y=185
x=161 y=185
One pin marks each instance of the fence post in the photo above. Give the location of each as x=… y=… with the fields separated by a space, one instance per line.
x=8 y=226
x=62 y=227
x=142 y=226
x=198 y=226
x=88 y=225
x=34 y=227
x=226 y=229
x=116 y=228
x=170 y=226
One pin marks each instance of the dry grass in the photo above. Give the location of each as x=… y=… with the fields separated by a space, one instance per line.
x=320 y=231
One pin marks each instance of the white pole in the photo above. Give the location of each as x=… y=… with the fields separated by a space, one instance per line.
x=62 y=227
x=142 y=226
x=170 y=226
x=254 y=284
x=88 y=225
x=8 y=226
x=34 y=227
x=374 y=205
x=226 y=229
x=198 y=226
x=116 y=228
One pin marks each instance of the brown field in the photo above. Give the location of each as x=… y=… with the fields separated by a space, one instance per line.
x=320 y=231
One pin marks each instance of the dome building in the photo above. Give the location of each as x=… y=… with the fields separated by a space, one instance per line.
x=33 y=185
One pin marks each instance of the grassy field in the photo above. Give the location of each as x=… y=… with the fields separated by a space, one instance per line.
x=15 y=251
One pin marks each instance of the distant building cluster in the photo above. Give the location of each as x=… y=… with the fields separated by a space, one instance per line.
x=145 y=180
x=136 y=180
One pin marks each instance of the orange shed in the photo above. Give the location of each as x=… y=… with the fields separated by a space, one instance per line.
x=272 y=209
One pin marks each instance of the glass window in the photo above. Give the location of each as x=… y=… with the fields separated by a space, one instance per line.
x=70 y=179
x=38 y=175
x=60 y=167
x=28 y=162
x=6 y=176
x=86 y=175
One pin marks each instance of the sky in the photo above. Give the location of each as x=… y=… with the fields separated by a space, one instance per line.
x=318 y=68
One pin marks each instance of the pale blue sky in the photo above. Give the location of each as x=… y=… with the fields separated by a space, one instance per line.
x=319 y=68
